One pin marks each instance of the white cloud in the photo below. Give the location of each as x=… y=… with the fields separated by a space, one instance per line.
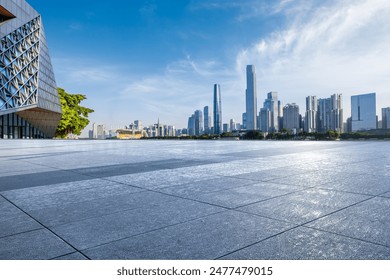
x=339 y=47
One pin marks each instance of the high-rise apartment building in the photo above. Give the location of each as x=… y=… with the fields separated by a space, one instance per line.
x=29 y=102
x=198 y=122
x=191 y=125
x=243 y=121
x=265 y=120
x=386 y=118
x=207 y=120
x=251 y=98
x=363 y=109
x=273 y=105
x=311 y=119
x=291 y=117
x=330 y=114
x=232 y=125
x=217 y=110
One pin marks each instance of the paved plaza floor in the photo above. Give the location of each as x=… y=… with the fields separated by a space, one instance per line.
x=194 y=200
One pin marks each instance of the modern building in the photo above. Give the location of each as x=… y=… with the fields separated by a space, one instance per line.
x=198 y=122
x=311 y=115
x=363 y=112
x=330 y=114
x=291 y=117
x=265 y=120
x=207 y=120
x=243 y=121
x=251 y=98
x=226 y=127
x=273 y=105
x=29 y=102
x=232 y=125
x=386 y=118
x=191 y=125
x=217 y=110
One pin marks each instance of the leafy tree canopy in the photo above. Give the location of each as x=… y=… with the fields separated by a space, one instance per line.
x=74 y=117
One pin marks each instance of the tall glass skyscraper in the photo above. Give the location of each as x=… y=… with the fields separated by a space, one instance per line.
x=207 y=120
x=251 y=98
x=198 y=122
x=29 y=102
x=273 y=105
x=363 y=108
x=217 y=110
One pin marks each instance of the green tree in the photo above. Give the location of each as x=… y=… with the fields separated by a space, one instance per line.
x=74 y=117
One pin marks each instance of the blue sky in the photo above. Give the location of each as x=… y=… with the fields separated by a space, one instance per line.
x=152 y=59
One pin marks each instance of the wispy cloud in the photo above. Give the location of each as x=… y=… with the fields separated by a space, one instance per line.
x=338 y=47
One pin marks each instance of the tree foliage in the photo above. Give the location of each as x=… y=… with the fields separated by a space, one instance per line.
x=74 y=117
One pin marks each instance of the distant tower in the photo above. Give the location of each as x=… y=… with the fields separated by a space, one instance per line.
x=207 y=120
x=363 y=108
x=273 y=105
x=217 y=109
x=251 y=98
x=198 y=122
x=311 y=114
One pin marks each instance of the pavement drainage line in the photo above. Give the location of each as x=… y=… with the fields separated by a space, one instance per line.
x=153 y=230
x=45 y=227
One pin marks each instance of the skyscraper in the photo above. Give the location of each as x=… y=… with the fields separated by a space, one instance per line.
x=386 y=118
x=273 y=105
x=191 y=125
x=265 y=120
x=363 y=108
x=251 y=98
x=29 y=102
x=198 y=122
x=311 y=114
x=291 y=119
x=207 y=120
x=217 y=110
x=243 y=121
x=330 y=114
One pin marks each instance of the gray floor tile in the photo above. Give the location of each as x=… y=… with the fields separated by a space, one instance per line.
x=73 y=212
x=93 y=232
x=304 y=206
x=33 y=245
x=206 y=186
x=13 y=220
x=205 y=238
x=364 y=184
x=237 y=197
x=309 y=244
x=60 y=199
x=72 y=257
x=311 y=179
x=159 y=179
x=368 y=220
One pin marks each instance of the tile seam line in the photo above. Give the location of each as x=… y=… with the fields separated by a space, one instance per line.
x=297 y=226
x=347 y=236
x=45 y=227
x=156 y=229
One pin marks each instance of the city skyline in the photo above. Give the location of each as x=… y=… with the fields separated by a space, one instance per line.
x=168 y=59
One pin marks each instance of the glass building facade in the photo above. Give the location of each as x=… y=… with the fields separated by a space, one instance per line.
x=29 y=102
x=251 y=98
x=363 y=112
x=217 y=110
